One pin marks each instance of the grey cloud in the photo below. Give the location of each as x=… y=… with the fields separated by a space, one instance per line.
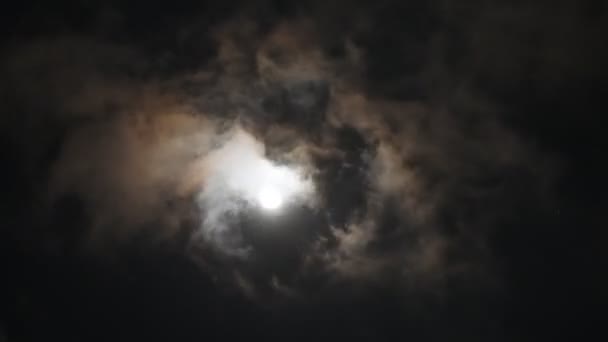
x=422 y=160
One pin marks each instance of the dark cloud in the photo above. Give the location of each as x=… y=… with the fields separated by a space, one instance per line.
x=434 y=136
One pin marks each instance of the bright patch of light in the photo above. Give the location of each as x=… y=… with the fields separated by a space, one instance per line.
x=270 y=198
x=239 y=169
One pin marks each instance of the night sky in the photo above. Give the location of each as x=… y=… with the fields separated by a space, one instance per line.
x=437 y=166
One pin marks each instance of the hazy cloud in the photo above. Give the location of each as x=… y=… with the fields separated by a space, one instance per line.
x=142 y=145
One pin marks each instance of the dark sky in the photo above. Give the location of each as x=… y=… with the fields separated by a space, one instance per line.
x=456 y=150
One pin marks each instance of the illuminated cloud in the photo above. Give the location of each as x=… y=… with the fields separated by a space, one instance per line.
x=236 y=174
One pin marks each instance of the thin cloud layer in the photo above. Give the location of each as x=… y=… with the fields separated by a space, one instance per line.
x=412 y=172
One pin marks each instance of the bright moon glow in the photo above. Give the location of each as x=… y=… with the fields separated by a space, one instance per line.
x=240 y=169
x=270 y=198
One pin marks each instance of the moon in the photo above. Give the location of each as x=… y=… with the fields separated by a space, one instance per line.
x=270 y=198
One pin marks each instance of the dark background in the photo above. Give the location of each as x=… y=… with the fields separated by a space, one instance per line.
x=550 y=255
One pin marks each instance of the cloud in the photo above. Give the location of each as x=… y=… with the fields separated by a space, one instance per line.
x=234 y=175
x=411 y=169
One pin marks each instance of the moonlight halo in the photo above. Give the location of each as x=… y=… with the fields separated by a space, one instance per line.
x=239 y=177
x=270 y=198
